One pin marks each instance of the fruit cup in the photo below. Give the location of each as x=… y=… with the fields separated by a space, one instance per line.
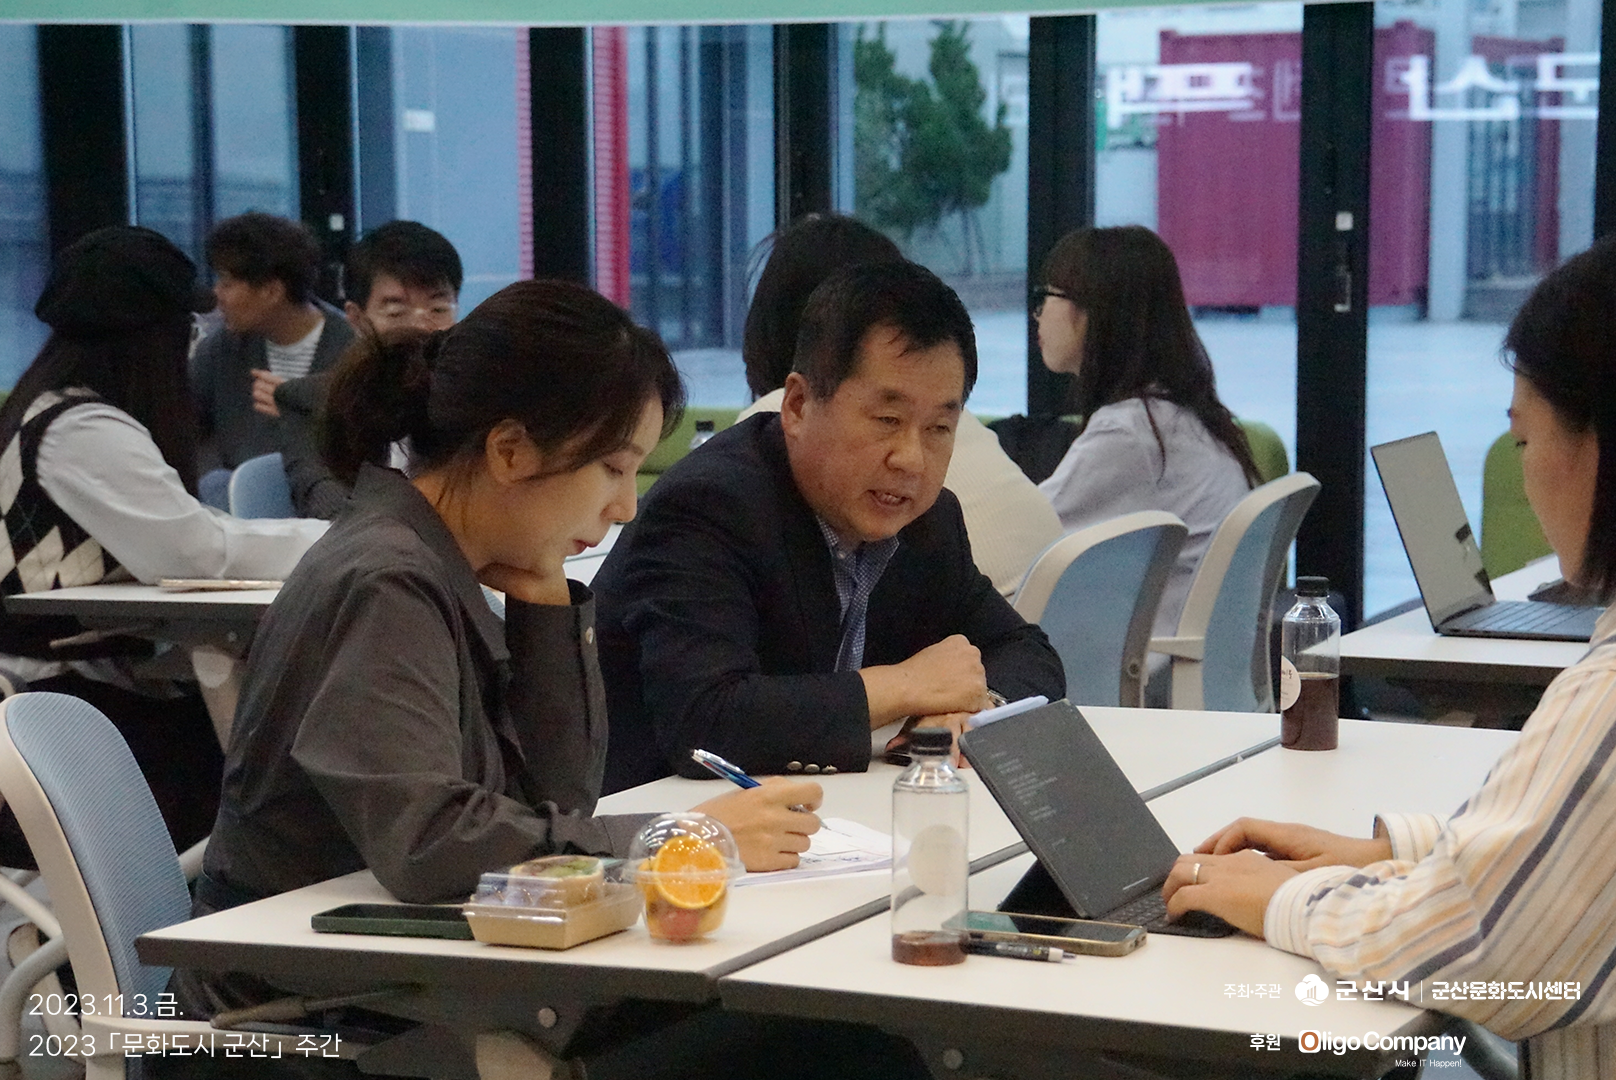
x=683 y=864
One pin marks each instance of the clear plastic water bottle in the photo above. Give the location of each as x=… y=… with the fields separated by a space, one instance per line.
x=1310 y=670
x=704 y=431
x=931 y=809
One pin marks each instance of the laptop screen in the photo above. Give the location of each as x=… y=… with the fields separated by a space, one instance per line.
x=1070 y=801
x=1436 y=534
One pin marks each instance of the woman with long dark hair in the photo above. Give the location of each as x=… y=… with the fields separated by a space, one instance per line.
x=388 y=719
x=1111 y=312
x=1514 y=888
x=98 y=482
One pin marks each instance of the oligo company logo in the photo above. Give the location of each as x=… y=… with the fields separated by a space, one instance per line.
x=1312 y=991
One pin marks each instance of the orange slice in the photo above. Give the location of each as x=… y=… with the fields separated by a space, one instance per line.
x=690 y=872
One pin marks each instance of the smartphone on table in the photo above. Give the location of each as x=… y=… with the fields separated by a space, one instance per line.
x=1086 y=936
x=398 y=920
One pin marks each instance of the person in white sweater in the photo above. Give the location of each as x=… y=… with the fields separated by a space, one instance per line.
x=1111 y=312
x=1008 y=523
x=98 y=480
x=1515 y=891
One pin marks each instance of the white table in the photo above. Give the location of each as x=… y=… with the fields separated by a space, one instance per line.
x=481 y=988
x=1167 y=1002
x=202 y=617
x=216 y=626
x=1406 y=648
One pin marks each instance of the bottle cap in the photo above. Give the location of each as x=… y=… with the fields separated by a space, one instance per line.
x=931 y=740
x=704 y=425
x=1312 y=586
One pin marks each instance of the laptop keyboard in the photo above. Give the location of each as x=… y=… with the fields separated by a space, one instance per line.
x=1516 y=617
x=1150 y=911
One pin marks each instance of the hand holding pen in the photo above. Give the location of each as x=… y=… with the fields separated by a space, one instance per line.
x=770 y=820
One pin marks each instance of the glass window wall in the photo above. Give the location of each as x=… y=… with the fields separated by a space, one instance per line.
x=254 y=121
x=1483 y=166
x=684 y=186
x=459 y=144
x=1198 y=122
x=932 y=134
x=167 y=62
x=24 y=240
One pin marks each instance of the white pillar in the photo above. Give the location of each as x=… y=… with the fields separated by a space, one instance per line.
x=1576 y=195
x=1450 y=173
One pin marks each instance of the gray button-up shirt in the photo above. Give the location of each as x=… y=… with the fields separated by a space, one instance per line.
x=389 y=720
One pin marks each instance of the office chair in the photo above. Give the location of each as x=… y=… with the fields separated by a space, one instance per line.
x=49 y=950
x=1267 y=449
x=1510 y=534
x=1219 y=656
x=258 y=489
x=1095 y=593
x=108 y=861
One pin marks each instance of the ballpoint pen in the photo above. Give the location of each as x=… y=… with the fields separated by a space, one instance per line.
x=722 y=769
x=733 y=773
x=1017 y=951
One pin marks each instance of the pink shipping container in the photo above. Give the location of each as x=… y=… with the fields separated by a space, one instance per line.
x=1227 y=181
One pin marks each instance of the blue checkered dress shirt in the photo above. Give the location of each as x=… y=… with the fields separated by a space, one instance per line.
x=856 y=570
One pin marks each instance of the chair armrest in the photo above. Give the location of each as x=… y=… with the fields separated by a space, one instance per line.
x=191 y=859
x=1190 y=648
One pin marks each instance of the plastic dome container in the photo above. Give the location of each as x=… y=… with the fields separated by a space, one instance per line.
x=683 y=864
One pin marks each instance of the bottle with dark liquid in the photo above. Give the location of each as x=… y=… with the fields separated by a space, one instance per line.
x=1310 y=670
x=930 y=864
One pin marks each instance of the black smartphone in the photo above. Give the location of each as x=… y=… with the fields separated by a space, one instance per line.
x=399 y=920
x=1087 y=936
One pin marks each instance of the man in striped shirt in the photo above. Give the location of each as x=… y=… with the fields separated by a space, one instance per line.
x=1518 y=886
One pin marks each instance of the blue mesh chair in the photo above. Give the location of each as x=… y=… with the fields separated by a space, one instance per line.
x=1095 y=593
x=258 y=489
x=106 y=857
x=48 y=947
x=1219 y=657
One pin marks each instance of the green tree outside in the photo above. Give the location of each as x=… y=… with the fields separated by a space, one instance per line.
x=922 y=150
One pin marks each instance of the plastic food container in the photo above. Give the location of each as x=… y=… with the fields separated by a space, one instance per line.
x=683 y=864
x=553 y=903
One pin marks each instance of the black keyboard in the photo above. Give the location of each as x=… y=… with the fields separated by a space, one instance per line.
x=1150 y=911
x=1518 y=618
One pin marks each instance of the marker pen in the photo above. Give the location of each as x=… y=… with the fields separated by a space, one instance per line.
x=1016 y=950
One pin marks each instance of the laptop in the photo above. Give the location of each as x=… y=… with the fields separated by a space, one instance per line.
x=1101 y=852
x=1446 y=559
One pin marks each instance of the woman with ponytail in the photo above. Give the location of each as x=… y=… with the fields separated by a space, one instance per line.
x=388 y=719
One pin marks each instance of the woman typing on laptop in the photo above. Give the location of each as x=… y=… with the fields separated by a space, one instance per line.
x=1519 y=885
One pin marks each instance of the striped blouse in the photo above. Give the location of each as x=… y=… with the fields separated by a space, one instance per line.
x=1517 y=886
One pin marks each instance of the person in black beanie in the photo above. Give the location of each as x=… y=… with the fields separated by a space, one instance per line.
x=97 y=483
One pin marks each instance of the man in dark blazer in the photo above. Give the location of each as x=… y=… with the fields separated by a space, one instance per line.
x=803 y=578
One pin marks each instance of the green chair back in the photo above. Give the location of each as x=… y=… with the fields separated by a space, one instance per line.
x=1510 y=534
x=1267 y=450
x=677 y=444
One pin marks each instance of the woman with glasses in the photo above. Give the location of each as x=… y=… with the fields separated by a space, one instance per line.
x=1155 y=436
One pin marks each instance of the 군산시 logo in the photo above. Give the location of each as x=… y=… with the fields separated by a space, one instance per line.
x=1312 y=991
